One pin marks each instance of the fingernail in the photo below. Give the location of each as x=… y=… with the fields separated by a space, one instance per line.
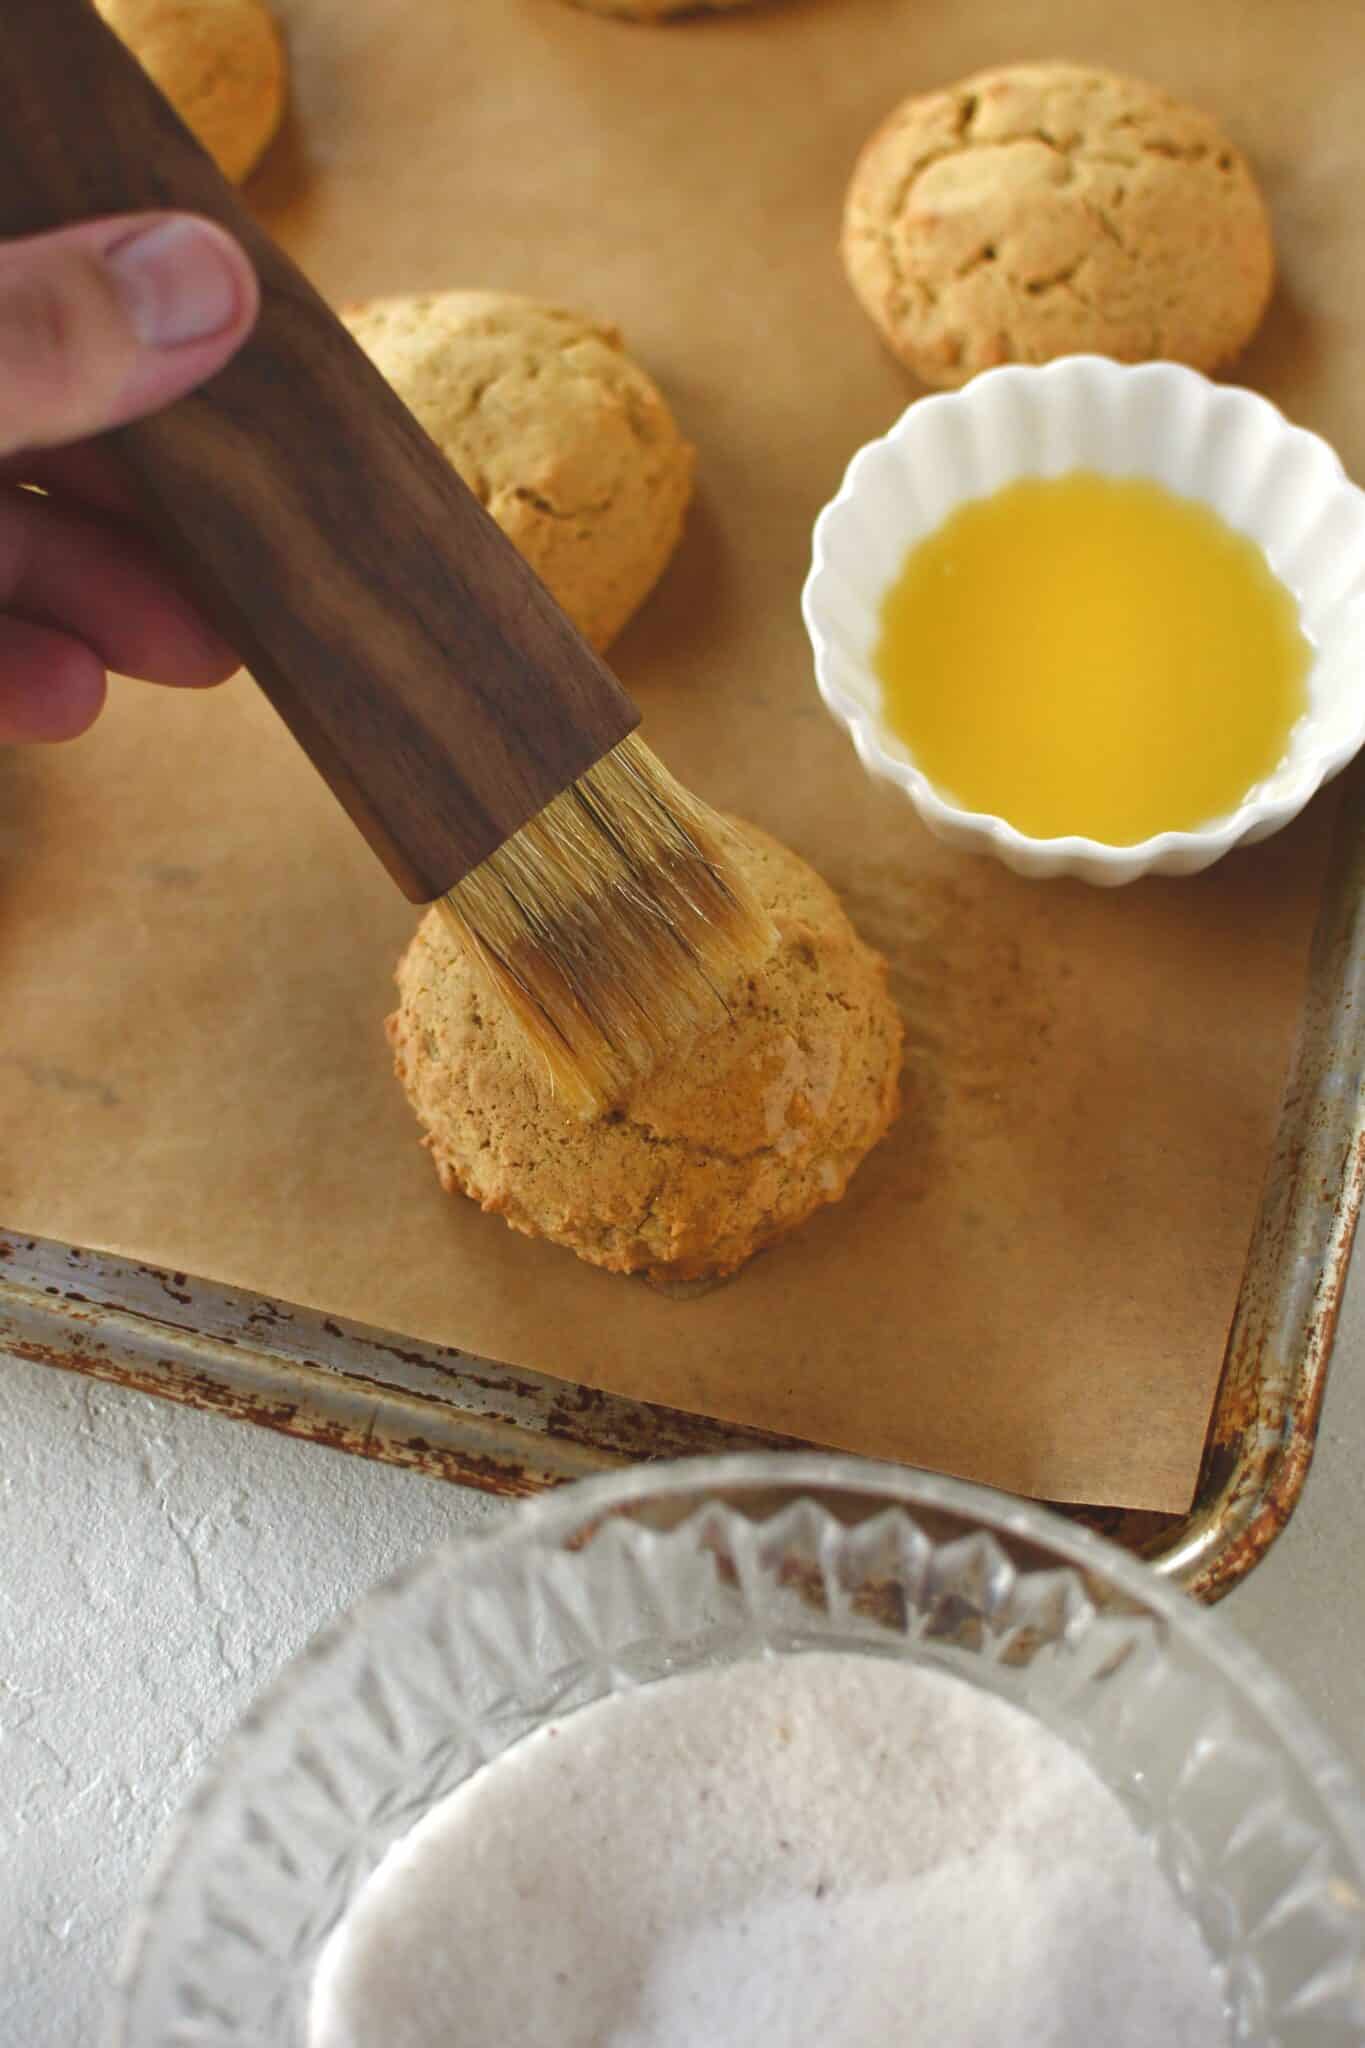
x=177 y=281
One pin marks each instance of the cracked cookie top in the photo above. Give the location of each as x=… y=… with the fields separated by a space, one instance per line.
x=714 y=1154
x=561 y=436
x=1042 y=210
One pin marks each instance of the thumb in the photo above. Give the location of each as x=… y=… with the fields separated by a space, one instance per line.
x=103 y=322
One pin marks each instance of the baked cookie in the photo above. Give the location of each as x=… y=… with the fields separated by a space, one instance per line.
x=565 y=440
x=221 y=65
x=710 y=1158
x=1044 y=209
x=657 y=10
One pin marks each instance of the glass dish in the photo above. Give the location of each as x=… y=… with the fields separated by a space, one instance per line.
x=665 y=1569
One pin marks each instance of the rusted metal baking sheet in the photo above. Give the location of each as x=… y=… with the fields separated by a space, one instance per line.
x=515 y=1432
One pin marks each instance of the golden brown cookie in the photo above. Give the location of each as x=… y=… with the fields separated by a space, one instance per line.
x=565 y=439
x=657 y=10
x=221 y=65
x=709 y=1159
x=1048 y=209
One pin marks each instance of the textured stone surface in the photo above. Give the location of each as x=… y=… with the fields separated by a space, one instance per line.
x=159 y=1567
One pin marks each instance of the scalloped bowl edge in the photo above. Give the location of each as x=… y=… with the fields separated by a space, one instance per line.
x=1280 y=484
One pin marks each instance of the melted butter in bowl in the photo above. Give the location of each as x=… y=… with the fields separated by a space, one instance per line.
x=1092 y=655
x=1093 y=618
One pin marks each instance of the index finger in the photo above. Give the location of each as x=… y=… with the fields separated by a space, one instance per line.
x=86 y=473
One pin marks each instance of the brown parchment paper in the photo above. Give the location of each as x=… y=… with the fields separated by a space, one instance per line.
x=1031 y=1281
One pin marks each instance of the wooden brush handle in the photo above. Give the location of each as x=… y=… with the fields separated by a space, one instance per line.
x=418 y=660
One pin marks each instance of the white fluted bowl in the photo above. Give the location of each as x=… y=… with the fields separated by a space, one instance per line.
x=1226 y=447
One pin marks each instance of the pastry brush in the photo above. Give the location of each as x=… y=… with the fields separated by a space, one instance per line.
x=487 y=754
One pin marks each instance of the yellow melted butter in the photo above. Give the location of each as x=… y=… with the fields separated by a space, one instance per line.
x=1091 y=655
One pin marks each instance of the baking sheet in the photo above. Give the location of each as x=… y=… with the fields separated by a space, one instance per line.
x=1030 y=1283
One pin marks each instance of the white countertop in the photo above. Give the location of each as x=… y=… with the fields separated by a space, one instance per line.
x=160 y=1564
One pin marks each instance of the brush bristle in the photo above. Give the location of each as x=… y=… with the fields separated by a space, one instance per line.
x=614 y=924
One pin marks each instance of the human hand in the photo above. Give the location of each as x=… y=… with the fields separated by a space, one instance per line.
x=100 y=324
